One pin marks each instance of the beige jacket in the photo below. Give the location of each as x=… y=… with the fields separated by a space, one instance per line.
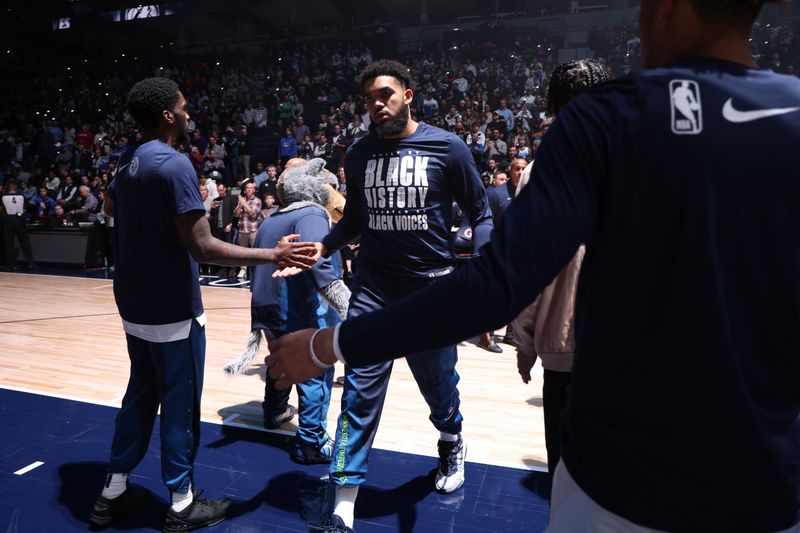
x=546 y=327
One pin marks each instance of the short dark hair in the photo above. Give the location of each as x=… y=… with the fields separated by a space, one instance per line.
x=148 y=99
x=570 y=78
x=386 y=67
x=736 y=12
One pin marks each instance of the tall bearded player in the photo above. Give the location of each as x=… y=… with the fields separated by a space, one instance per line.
x=402 y=179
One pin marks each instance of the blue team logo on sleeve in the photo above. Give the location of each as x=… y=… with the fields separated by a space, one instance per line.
x=687 y=112
x=133 y=166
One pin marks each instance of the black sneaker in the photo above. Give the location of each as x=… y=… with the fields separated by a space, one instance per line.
x=278 y=420
x=334 y=524
x=450 y=476
x=311 y=454
x=201 y=513
x=107 y=510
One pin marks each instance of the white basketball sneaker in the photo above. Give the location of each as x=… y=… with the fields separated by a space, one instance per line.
x=450 y=476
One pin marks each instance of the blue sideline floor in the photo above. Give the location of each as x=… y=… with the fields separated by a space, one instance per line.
x=270 y=492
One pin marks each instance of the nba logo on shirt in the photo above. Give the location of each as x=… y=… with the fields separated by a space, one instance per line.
x=687 y=113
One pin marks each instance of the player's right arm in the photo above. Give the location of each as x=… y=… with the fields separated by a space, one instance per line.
x=179 y=185
x=348 y=229
x=196 y=235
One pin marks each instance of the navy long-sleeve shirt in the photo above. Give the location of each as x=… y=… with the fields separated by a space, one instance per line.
x=399 y=201
x=683 y=183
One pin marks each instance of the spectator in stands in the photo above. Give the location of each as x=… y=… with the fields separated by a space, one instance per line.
x=323 y=148
x=213 y=164
x=259 y=175
x=268 y=186
x=67 y=191
x=199 y=141
x=64 y=160
x=209 y=183
x=119 y=148
x=214 y=146
x=244 y=153
x=206 y=200
x=338 y=148
x=221 y=220
x=44 y=204
x=355 y=129
x=430 y=106
x=288 y=147
x=496 y=148
x=452 y=117
x=306 y=148
x=248 y=210
x=84 y=138
x=487 y=176
x=524 y=150
x=61 y=219
x=52 y=183
x=342 y=181
x=300 y=130
x=499 y=124
x=249 y=115
x=88 y=205
x=27 y=191
x=269 y=206
x=197 y=159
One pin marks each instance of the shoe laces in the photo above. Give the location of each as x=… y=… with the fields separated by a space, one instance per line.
x=448 y=456
x=202 y=501
x=327 y=526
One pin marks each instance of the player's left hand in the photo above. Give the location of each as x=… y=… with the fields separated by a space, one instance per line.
x=287 y=272
x=292 y=254
x=524 y=365
x=289 y=362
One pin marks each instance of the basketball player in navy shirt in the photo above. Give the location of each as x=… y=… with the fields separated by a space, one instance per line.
x=683 y=182
x=161 y=234
x=402 y=179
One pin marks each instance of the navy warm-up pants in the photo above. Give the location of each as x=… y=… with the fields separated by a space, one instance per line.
x=365 y=387
x=169 y=374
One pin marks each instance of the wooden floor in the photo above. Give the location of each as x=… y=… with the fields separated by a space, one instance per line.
x=62 y=336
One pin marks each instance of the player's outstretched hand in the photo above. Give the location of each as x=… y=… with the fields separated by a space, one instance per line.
x=290 y=253
x=288 y=360
x=289 y=271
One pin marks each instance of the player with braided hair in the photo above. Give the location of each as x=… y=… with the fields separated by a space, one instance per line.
x=545 y=329
x=570 y=78
x=161 y=235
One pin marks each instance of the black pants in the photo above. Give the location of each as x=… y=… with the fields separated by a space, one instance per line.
x=15 y=226
x=554 y=399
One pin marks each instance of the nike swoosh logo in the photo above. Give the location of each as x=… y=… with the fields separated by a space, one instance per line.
x=120 y=169
x=734 y=115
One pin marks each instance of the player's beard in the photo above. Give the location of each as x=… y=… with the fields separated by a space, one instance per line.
x=391 y=127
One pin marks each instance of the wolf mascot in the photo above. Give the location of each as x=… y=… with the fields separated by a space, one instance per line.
x=316 y=298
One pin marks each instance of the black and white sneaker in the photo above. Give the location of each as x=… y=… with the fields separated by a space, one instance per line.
x=107 y=510
x=334 y=524
x=311 y=454
x=201 y=513
x=450 y=476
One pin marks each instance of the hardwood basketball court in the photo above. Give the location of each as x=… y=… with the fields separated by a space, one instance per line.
x=62 y=336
